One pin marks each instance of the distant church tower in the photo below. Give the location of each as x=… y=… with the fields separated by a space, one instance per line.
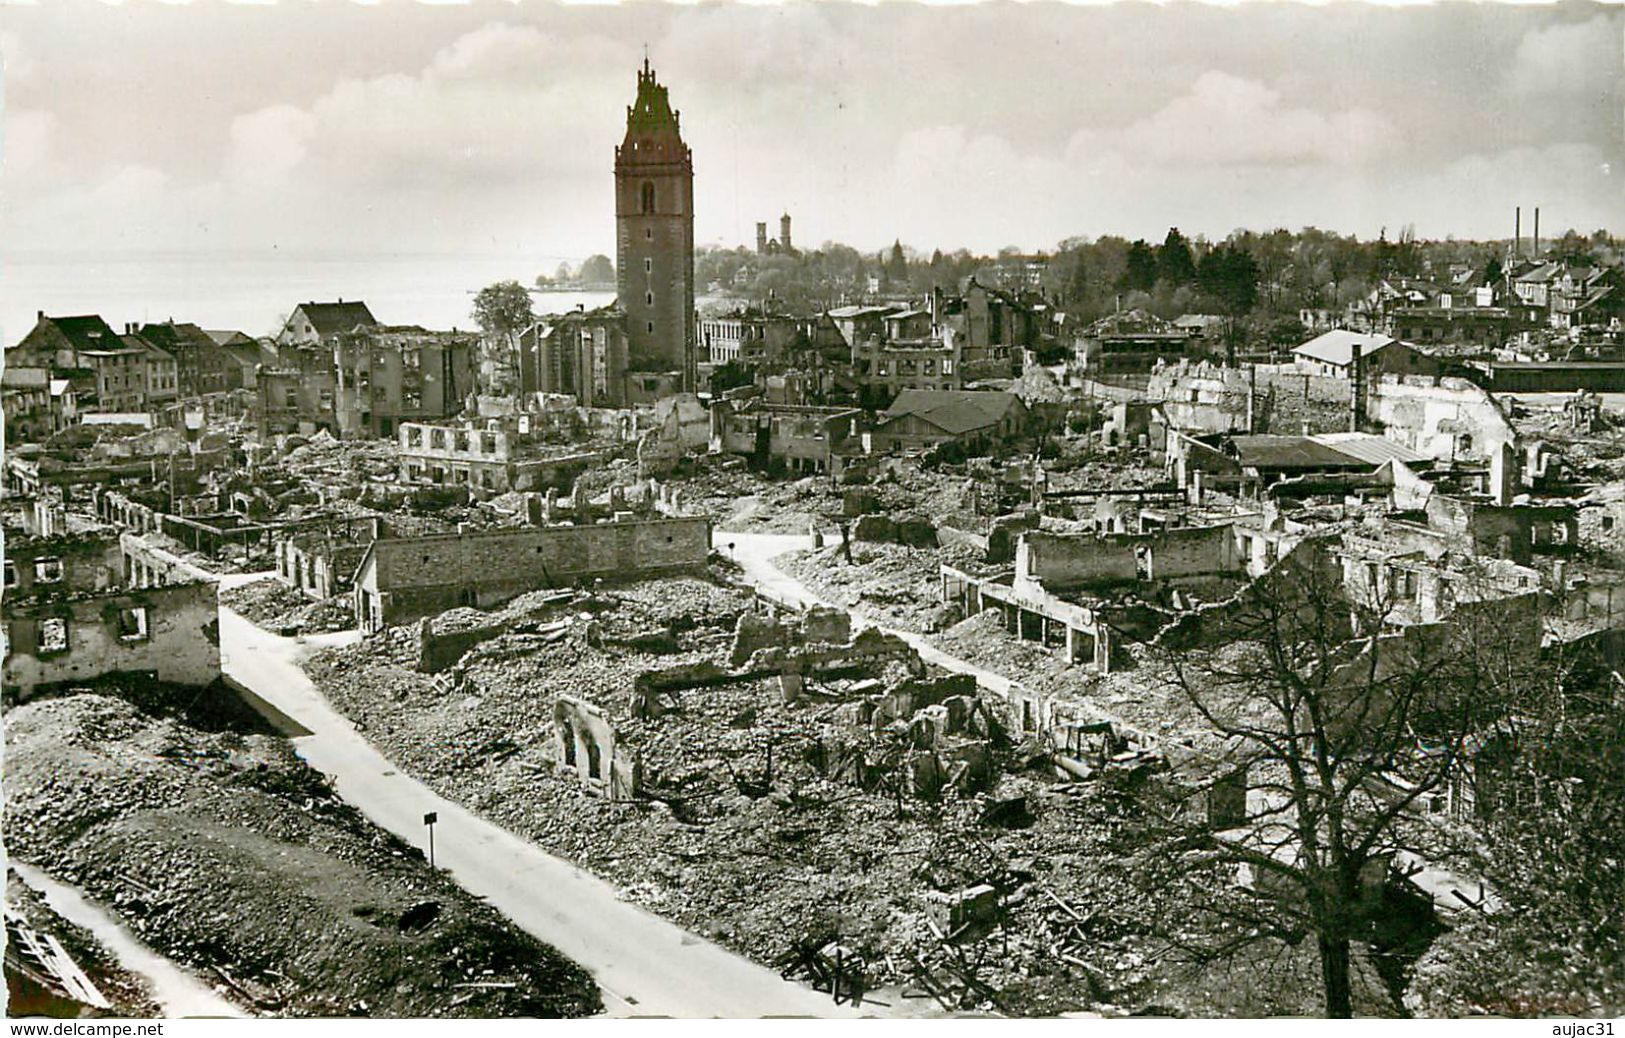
x=654 y=234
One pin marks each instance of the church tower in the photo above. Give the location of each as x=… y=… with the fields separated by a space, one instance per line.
x=654 y=234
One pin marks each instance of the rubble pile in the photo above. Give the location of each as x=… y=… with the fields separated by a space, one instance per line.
x=898 y=586
x=277 y=607
x=229 y=855
x=745 y=833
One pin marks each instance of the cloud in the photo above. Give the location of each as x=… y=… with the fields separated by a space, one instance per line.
x=1577 y=59
x=268 y=145
x=1228 y=120
x=499 y=104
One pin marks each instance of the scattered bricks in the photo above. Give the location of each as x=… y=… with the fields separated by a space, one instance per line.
x=827 y=625
x=438 y=651
x=916 y=532
x=971 y=768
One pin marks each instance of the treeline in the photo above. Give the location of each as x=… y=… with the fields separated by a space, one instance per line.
x=1261 y=275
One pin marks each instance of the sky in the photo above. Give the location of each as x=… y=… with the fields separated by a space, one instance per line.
x=485 y=132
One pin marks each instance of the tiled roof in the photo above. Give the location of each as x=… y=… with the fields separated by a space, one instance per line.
x=332 y=318
x=954 y=411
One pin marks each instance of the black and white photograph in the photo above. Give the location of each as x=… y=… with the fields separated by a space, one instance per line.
x=1105 y=512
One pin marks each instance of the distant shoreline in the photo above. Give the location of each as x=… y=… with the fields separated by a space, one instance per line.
x=608 y=286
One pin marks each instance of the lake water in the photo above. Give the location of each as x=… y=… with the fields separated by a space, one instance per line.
x=252 y=293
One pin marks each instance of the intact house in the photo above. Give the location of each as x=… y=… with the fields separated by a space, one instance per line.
x=1334 y=354
x=71 y=616
x=201 y=365
x=106 y=373
x=314 y=323
x=921 y=418
x=243 y=350
x=402 y=579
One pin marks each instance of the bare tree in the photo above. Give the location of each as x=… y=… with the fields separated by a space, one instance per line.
x=1551 y=817
x=1330 y=727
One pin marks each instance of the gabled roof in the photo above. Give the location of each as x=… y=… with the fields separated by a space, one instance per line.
x=1289 y=452
x=227 y=336
x=1337 y=346
x=136 y=342
x=171 y=335
x=1544 y=272
x=246 y=351
x=86 y=332
x=332 y=318
x=954 y=411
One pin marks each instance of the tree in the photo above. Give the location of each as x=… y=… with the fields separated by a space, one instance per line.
x=597 y=270
x=897 y=265
x=1342 y=724
x=1140 y=271
x=1174 y=262
x=1493 y=272
x=1230 y=276
x=503 y=310
x=1552 y=822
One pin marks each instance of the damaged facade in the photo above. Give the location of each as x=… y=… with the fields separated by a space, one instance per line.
x=72 y=615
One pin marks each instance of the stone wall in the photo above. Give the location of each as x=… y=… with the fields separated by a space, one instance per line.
x=411 y=577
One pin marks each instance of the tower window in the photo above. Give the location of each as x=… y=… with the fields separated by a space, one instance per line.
x=648 y=266
x=651 y=326
x=649 y=297
x=648 y=196
x=649 y=232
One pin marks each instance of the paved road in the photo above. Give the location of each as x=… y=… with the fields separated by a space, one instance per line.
x=644 y=964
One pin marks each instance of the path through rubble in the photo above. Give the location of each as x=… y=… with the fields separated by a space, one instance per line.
x=755 y=552
x=176 y=991
x=644 y=964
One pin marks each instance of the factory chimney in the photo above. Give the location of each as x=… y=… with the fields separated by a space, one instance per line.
x=1537 y=233
x=1357 y=398
x=1517 y=232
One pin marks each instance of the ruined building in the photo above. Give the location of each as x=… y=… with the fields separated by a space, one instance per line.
x=654 y=234
x=401 y=579
x=70 y=616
